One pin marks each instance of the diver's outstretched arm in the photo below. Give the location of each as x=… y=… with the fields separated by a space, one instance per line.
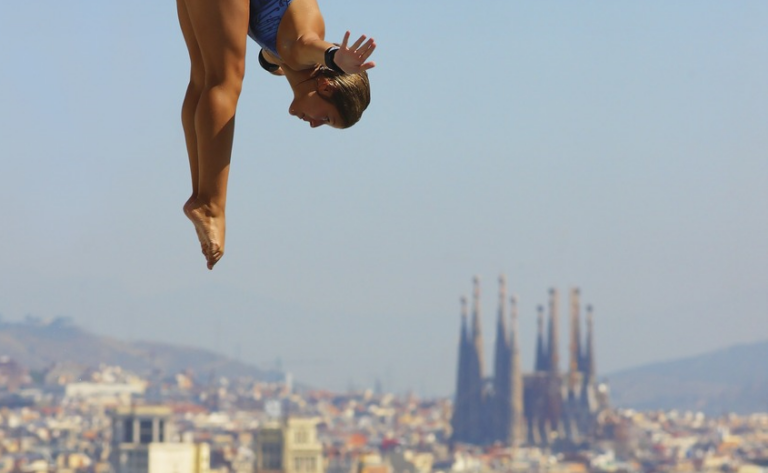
x=310 y=50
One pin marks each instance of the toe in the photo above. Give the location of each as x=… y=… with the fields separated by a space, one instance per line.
x=214 y=256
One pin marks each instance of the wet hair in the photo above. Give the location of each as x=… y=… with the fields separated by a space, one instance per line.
x=351 y=94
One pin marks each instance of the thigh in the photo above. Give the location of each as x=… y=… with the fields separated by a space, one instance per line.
x=197 y=70
x=221 y=30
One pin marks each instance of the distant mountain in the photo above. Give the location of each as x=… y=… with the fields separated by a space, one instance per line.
x=734 y=379
x=38 y=344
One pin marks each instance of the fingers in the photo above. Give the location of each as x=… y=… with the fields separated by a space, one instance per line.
x=358 y=42
x=345 y=41
x=358 y=45
x=363 y=51
x=356 y=55
x=368 y=49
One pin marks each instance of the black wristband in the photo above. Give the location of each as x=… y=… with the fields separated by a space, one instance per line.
x=330 y=62
x=266 y=65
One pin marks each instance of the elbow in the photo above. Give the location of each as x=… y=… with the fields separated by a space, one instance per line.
x=302 y=53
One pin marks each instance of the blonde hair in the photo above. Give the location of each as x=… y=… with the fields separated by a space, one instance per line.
x=351 y=94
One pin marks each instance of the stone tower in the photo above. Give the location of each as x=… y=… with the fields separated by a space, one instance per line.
x=516 y=435
x=476 y=417
x=502 y=380
x=541 y=348
x=547 y=407
x=459 y=421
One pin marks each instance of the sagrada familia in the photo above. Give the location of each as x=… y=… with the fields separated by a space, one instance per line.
x=545 y=408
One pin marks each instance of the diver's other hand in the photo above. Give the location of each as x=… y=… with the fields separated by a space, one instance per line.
x=352 y=59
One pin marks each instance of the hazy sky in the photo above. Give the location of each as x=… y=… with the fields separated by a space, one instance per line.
x=619 y=147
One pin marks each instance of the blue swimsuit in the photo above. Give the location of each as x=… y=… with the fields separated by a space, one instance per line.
x=264 y=21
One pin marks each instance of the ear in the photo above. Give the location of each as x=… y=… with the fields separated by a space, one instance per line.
x=325 y=87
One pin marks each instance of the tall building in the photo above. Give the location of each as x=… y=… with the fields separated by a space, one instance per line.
x=143 y=442
x=542 y=408
x=289 y=445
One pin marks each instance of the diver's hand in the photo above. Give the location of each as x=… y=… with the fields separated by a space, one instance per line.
x=352 y=59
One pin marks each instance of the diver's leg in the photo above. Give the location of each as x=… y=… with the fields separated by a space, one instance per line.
x=194 y=89
x=221 y=29
x=191 y=98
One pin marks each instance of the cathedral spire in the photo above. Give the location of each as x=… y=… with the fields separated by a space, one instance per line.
x=516 y=375
x=459 y=421
x=502 y=336
x=541 y=353
x=476 y=412
x=588 y=387
x=502 y=323
x=575 y=345
x=502 y=387
x=552 y=343
x=477 y=336
x=464 y=327
x=589 y=363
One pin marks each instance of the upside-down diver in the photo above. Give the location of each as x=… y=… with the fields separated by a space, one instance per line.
x=329 y=83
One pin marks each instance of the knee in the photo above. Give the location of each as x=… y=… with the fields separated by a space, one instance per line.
x=194 y=90
x=196 y=82
x=192 y=97
x=228 y=79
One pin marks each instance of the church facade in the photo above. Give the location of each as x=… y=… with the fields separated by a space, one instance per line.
x=548 y=407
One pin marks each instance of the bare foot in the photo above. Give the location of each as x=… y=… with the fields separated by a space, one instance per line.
x=210 y=227
x=200 y=236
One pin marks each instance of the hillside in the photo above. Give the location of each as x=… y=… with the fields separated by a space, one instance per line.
x=734 y=379
x=38 y=344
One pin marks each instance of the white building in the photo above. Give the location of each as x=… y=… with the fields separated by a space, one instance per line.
x=103 y=393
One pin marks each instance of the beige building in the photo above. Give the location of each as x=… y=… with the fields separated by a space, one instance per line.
x=289 y=446
x=144 y=441
x=179 y=458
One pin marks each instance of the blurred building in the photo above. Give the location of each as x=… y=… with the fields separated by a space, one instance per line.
x=144 y=441
x=12 y=374
x=542 y=408
x=289 y=445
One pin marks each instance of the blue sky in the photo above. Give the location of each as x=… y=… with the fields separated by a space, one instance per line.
x=618 y=147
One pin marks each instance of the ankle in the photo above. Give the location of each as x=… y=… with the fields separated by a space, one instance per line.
x=211 y=208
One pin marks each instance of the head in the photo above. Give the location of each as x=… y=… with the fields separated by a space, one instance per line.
x=338 y=100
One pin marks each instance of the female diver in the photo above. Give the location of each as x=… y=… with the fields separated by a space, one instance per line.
x=329 y=83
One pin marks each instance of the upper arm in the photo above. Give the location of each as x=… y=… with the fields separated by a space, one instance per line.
x=303 y=45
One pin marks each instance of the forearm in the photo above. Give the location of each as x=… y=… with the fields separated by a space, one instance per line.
x=307 y=52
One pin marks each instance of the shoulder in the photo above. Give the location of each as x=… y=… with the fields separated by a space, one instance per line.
x=302 y=18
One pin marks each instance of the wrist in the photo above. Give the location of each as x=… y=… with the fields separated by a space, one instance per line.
x=266 y=65
x=330 y=59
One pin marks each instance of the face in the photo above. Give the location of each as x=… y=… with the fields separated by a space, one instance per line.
x=315 y=109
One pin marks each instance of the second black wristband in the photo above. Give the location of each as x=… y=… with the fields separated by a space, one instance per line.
x=266 y=65
x=330 y=61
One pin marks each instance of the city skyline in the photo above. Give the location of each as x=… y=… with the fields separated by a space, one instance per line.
x=669 y=384
x=86 y=420
x=620 y=148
